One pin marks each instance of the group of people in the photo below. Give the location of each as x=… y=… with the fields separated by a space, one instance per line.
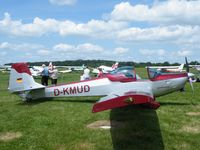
x=49 y=72
x=52 y=73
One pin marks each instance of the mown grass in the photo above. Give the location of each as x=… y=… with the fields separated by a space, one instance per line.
x=61 y=123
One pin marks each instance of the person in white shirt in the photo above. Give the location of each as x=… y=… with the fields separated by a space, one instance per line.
x=54 y=75
x=86 y=74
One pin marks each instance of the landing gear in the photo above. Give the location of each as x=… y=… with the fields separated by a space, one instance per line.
x=26 y=96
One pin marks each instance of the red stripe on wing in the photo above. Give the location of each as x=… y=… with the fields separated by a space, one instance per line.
x=121 y=101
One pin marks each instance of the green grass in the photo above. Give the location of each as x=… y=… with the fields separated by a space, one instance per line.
x=61 y=123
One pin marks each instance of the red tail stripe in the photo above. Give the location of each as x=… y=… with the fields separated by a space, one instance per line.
x=21 y=68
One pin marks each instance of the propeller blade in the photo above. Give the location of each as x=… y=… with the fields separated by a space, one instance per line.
x=187 y=65
x=191 y=84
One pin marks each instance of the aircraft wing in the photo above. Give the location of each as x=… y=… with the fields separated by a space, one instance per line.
x=163 y=67
x=115 y=101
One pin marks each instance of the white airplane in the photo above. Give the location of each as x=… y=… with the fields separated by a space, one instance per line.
x=105 y=69
x=36 y=71
x=169 y=68
x=65 y=71
x=197 y=67
x=5 y=67
x=119 y=88
x=73 y=68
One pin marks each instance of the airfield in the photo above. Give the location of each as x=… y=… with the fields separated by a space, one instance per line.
x=68 y=123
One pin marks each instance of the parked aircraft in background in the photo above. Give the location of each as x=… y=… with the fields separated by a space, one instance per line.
x=105 y=69
x=65 y=71
x=169 y=68
x=72 y=68
x=121 y=87
x=197 y=67
x=5 y=67
x=36 y=71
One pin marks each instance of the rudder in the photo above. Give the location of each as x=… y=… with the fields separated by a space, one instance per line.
x=21 y=79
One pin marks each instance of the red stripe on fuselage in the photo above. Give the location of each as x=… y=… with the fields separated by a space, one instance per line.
x=169 y=76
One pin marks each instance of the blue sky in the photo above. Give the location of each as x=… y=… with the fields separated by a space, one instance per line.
x=140 y=31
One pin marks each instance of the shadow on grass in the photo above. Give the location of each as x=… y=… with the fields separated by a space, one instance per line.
x=49 y=100
x=140 y=130
x=174 y=103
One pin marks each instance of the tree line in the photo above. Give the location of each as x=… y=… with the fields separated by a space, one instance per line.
x=96 y=63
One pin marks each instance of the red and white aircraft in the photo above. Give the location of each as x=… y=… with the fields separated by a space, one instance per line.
x=105 y=69
x=119 y=88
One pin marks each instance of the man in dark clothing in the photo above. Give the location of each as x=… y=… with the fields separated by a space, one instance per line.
x=45 y=75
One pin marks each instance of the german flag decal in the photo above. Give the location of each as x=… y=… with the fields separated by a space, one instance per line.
x=19 y=80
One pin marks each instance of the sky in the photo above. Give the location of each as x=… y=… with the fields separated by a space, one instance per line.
x=133 y=30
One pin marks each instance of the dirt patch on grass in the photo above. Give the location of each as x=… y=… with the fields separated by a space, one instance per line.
x=105 y=124
x=85 y=146
x=193 y=113
x=9 y=136
x=191 y=129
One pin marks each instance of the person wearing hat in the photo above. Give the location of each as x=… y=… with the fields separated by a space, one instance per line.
x=45 y=75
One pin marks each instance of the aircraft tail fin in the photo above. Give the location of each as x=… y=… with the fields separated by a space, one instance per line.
x=115 y=66
x=21 y=79
x=181 y=67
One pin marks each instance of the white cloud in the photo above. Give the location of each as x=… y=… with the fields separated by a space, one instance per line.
x=81 y=48
x=64 y=47
x=148 y=52
x=174 y=11
x=20 y=47
x=43 y=52
x=184 y=53
x=89 y=48
x=3 y=54
x=168 y=33
x=120 y=50
x=63 y=2
x=4 y=45
x=41 y=27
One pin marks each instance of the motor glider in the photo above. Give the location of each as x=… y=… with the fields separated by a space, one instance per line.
x=119 y=88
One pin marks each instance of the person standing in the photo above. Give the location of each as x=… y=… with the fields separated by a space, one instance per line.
x=86 y=74
x=100 y=74
x=54 y=75
x=45 y=75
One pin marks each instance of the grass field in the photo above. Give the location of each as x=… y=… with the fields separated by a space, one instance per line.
x=61 y=123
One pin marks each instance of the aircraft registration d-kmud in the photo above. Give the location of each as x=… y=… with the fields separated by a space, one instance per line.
x=120 y=87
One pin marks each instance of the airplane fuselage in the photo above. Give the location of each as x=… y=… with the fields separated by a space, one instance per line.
x=103 y=86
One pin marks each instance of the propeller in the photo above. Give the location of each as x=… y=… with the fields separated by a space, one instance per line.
x=189 y=77
x=191 y=84
x=187 y=65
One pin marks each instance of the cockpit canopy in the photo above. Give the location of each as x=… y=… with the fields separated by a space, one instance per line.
x=157 y=73
x=123 y=74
